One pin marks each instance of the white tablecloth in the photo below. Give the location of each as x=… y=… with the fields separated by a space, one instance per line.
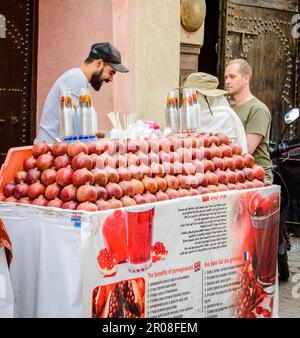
x=6 y=295
x=46 y=267
x=54 y=268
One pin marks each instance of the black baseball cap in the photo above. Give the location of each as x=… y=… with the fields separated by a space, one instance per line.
x=108 y=53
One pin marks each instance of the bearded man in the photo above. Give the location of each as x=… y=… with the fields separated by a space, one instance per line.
x=101 y=65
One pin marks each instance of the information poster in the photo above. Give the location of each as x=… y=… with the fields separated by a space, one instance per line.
x=213 y=255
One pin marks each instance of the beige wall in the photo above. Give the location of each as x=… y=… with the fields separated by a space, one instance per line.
x=195 y=38
x=67 y=28
x=124 y=99
x=157 y=55
x=147 y=34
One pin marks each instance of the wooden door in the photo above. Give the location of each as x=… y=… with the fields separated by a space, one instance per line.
x=17 y=74
x=260 y=31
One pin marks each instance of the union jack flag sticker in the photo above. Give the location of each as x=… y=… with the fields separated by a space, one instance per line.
x=197 y=266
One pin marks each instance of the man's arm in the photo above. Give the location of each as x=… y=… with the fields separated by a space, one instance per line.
x=257 y=126
x=253 y=141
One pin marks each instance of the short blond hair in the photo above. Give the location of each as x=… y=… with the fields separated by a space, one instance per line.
x=245 y=67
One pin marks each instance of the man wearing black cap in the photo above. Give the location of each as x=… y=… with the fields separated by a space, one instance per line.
x=100 y=66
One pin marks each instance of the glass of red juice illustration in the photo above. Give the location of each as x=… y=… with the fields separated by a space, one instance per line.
x=265 y=217
x=139 y=228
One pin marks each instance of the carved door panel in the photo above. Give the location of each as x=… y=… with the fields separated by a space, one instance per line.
x=17 y=79
x=261 y=32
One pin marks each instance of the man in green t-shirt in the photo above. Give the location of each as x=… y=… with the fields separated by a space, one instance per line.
x=254 y=114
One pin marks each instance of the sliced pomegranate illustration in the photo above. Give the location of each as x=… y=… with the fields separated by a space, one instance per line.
x=107 y=262
x=114 y=234
x=99 y=299
x=113 y=307
x=133 y=300
x=159 y=252
x=125 y=300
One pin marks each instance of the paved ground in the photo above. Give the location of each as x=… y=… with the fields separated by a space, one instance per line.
x=289 y=292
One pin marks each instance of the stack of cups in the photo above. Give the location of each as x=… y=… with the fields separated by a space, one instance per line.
x=87 y=117
x=67 y=116
x=172 y=116
x=190 y=111
x=197 y=108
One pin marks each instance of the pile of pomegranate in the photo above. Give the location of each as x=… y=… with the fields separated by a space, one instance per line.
x=110 y=174
x=125 y=299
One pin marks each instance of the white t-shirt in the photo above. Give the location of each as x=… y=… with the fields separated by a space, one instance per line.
x=72 y=80
x=225 y=120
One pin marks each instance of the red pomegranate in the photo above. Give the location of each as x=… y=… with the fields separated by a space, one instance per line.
x=159 y=252
x=114 y=234
x=107 y=262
